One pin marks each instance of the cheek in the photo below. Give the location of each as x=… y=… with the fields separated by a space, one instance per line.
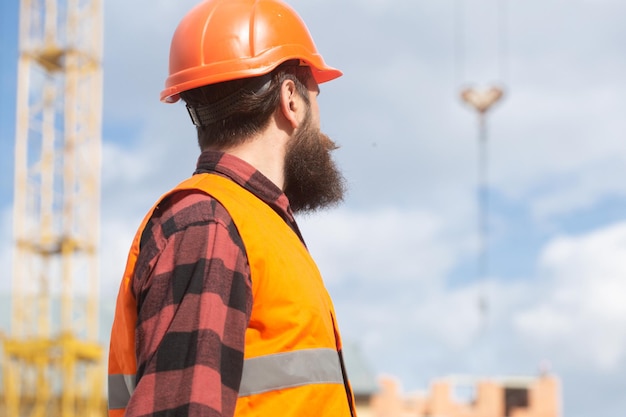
x=315 y=112
x=316 y=118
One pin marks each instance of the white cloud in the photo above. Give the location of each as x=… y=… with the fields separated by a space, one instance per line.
x=117 y=236
x=120 y=165
x=553 y=154
x=581 y=309
x=387 y=245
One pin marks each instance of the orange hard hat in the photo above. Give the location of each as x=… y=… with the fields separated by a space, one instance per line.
x=222 y=40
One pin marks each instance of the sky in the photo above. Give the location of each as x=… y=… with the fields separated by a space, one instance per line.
x=400 y=255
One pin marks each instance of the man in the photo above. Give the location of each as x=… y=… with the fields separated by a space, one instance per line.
x=222 y=310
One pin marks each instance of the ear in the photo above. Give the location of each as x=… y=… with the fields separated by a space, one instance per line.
x=291 y=103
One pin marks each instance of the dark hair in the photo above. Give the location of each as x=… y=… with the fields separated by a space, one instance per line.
x=252 y=110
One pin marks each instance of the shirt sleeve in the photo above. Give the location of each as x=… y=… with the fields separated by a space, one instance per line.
x=193 y=290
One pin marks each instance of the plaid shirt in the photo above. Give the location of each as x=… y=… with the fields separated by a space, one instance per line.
x=193 y=290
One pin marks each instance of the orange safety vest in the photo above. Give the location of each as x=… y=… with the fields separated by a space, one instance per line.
x=292 y=357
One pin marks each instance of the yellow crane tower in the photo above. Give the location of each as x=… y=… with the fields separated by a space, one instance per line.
x=52 y=362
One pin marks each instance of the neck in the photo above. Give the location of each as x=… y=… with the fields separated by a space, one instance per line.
x=265 y=152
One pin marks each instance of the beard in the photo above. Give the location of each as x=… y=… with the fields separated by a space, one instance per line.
x=312 y=179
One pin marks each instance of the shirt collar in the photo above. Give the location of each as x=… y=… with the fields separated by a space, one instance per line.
x=249 y=178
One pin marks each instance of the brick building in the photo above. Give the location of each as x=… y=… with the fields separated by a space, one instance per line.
x=523 y=396
x=469 y=397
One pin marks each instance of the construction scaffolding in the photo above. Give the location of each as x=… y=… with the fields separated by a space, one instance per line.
x=52 y=361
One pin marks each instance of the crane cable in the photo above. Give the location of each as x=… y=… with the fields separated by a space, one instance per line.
x=481 y=101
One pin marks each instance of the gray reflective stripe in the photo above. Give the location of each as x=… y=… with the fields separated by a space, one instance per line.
x=290 y=369
x=120 y=388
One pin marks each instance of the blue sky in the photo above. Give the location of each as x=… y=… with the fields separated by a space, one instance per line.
x=8 y=44
x=399 y=257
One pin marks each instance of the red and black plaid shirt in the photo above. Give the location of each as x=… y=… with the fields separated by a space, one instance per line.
x=193 y=290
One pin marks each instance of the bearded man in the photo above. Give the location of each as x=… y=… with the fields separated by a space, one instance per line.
x=221 y=310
